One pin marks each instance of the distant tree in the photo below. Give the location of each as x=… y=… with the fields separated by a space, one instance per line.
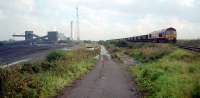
x=11 y=40
x=121 y=44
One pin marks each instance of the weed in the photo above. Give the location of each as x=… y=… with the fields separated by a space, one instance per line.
x=174 y=75
x=45 y=78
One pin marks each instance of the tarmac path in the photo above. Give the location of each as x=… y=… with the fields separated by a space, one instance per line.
x=107 y=80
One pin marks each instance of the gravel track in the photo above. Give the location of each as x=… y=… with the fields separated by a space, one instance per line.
x=107 y=80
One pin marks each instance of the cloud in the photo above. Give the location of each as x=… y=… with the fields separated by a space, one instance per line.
x=185 y=29
x=1 y=14
x=186 y=3
x=100 y=19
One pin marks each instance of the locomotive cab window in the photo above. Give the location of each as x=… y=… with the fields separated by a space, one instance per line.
x=150 y=35
x=160 y=35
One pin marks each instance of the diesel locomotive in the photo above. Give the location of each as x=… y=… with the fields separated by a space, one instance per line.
x=164 y=35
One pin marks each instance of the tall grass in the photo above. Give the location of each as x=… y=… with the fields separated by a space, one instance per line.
x=147 y=53
x=45 y=78
x=175 y=75
x=164 y=71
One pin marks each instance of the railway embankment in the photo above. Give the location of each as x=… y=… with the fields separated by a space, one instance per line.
x=47 y=77
x=189 y=43
x=164 y=70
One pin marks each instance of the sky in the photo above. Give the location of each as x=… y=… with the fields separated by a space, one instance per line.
x=100 y=19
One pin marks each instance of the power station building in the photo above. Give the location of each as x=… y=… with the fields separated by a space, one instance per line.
x=53 y=36
x=29 y=35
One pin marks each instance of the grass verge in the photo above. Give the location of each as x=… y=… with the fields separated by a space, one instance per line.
x=174 y=74
x=45 y=78
x=164 y=71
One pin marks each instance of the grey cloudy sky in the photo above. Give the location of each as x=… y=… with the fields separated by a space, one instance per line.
x=100 y=19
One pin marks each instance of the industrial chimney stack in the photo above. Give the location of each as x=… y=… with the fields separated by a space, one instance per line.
x=71 y=26
x=77 y=22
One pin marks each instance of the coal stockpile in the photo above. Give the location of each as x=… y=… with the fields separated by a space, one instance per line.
x=12 y=53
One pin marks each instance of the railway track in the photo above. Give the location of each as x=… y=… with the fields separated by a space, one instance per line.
x=196 y=49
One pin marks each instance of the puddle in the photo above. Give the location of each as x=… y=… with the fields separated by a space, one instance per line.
x=66 y=49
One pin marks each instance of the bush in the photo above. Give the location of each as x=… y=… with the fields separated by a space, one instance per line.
x=29 y=93
x=122 y=44
x=26 y=68
x=36 y=68
x=56 y=55
x=196 y=92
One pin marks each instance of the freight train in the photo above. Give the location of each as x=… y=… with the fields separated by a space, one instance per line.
x=164 y=35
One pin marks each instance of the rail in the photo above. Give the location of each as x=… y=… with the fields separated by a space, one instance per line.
x=196 y=49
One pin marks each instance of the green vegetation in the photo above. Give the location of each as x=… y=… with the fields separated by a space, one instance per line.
x=167 y=72
x=192 y=43
x=57 y=55
x=115 y=53
x=143 y=52
x=150 y=53
x=164 y=71
x=44 y=79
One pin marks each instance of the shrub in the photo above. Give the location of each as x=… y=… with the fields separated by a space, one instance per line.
x=121 y=44
x=29 y=93
x=196 y=92
x=26 y=68
x=56 y=55
x=36 y=68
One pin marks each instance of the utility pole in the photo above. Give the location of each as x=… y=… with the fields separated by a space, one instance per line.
x=71 y=25
x=77 y=22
